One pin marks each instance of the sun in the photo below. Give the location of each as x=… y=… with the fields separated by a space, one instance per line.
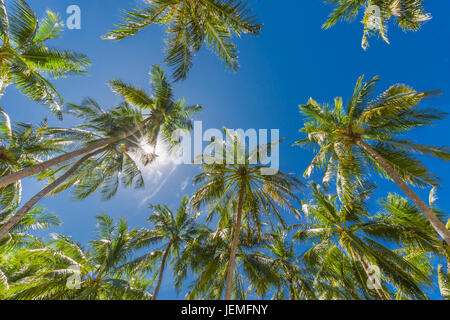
x=163 y=156
x=146 y=147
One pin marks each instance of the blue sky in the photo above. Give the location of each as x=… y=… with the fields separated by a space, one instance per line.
x=293 y=59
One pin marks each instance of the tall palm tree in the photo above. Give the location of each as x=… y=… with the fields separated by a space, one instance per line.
x=350 y=231
x=112 y=156
x=243 y=181
x=408 y=15
x=189 y=24
x=114 y=143
x=69 y=271
x=174 y=231
x=25 y=60
x=293 y=279
x=208 y=257
x=120 y=162
x=367 y=134
x=165 y=115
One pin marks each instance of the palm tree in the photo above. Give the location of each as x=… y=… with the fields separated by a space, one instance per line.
x=340 y=279
x=14 y=266
x=121 y=162
x=36 y=219
x=367 y=134
x=189 y=24
x=243 y=180
x=24 y=57
x=108 y=154
x=409 y=15
x=115 y=142
x=69 y=271
x=350 y=231
x=174 y=231
x=426 y=240
x=165 y=116
x=292 y=278
x=208 y=257
x=21 y=146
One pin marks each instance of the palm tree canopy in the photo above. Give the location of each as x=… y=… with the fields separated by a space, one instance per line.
x=123 y=161
x=167 y=114
x=189 y=24
x=293 y=278
x=350 y=230
x=26 y=61
x=380 y=121
x=233 y=168
x=119 y=162
x=399 y=211
x=421 y=241
x=170 y=232
x=22 y=145
x=14 y=266
x=168 y=227
x=69 y=271
x=408 y=15
x=20 y=236
x=178 y=228
x=208 y=256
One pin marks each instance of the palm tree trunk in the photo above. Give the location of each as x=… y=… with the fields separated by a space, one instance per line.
x=161 y=271
x=429 y=214
x=32 y=170
x=15 y=219
x=365 y=266
x=234 y=245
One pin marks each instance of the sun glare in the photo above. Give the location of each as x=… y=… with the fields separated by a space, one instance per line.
x=163 y=156
x=146 y=147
